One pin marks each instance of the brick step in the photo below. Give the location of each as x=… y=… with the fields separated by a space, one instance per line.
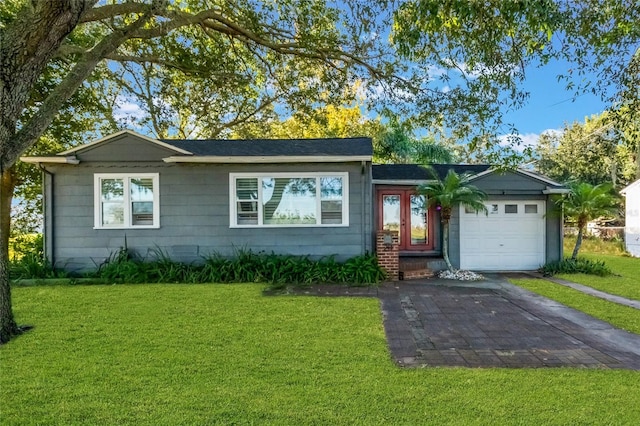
x=412 y=264
x=415 y=274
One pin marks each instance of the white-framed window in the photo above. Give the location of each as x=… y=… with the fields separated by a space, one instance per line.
x=288 y=199
x=126 y=200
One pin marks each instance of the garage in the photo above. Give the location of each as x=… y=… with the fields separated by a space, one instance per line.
x=510 y=237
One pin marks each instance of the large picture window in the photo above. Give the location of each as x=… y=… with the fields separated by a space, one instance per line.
x=289 y=199
x=126 y=201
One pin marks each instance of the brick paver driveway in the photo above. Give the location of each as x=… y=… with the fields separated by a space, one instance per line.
x=495 y=324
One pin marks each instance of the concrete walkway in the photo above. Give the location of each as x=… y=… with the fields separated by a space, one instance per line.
x=592 y=291
x=493 y=323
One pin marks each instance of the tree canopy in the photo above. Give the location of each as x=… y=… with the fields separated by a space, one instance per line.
x=594 y=152
x=486 y=48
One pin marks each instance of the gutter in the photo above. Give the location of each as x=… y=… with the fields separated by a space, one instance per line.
x=550 y=191
x=401 y=182
x=264 y=159
x=51 y=160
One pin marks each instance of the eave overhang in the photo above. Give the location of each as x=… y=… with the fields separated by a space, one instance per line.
x=57 y=159
x=551 y=191
x=402 y=182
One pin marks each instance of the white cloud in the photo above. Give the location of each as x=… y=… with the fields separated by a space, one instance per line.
x=476 y=71
x=434 y=71
x=552 y=132
x=518 y=142
x=127 y=110
x=521 y=141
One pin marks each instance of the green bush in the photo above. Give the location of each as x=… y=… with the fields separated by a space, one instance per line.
x=26 y=244
x=277 y=270
x=579 y=266
x=27 y=261
x=33 y=266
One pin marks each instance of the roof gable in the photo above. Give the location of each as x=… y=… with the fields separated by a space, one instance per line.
x=483 y=175
x=118 y=136
x=631 y=187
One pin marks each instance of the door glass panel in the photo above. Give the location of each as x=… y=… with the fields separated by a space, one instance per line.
x=419 y=228
x=511 y=208
x=391 y=213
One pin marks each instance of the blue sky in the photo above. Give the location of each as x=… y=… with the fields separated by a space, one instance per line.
x=550 y=104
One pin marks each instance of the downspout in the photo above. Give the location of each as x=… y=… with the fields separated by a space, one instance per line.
x=365 y=196
x=45 y=206
x=562 y=231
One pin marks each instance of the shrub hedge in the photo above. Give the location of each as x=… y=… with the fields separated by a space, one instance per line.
x=277 y=270
x=580 y=265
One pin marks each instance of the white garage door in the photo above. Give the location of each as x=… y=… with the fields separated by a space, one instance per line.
x=510 y=238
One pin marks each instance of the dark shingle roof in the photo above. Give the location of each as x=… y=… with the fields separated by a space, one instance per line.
x=416 y=172
x=275 y=147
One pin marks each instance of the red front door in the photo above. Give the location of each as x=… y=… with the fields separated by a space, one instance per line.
x=405 y=211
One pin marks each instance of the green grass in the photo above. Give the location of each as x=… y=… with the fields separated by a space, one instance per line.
x=627 y=284
x=615 y=314
x=594 y=245
x=226 y=354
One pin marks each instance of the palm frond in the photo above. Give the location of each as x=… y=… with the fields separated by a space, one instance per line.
x=454 y=189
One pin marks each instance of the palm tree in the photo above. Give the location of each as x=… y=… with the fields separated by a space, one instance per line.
x=448 y=193
x=398 y=146
x=586 y=202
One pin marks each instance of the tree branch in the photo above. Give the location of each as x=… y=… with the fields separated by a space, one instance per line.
x=28 y=43
x=111 y=11
x=30 y=132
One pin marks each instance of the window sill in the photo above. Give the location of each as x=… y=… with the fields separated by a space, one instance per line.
x=342 y=225
x=125 y=227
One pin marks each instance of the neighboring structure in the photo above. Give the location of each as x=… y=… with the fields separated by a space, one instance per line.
x=320 y=197
x=632 y=218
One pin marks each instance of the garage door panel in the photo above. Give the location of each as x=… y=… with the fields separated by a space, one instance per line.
x=503 y=262
x=501 y=240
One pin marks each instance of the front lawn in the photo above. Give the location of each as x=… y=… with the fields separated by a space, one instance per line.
x=620 y=316
x=627 y=284
x=226 y=354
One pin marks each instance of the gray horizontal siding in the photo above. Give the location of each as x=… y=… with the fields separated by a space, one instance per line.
x=509 y=183
x=194 y=216
x=454 y=238
x=554 y=232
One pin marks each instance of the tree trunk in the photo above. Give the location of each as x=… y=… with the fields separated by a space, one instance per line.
x=445 y=245
x=574 y=256
x=27 y=46
x=8 y=326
